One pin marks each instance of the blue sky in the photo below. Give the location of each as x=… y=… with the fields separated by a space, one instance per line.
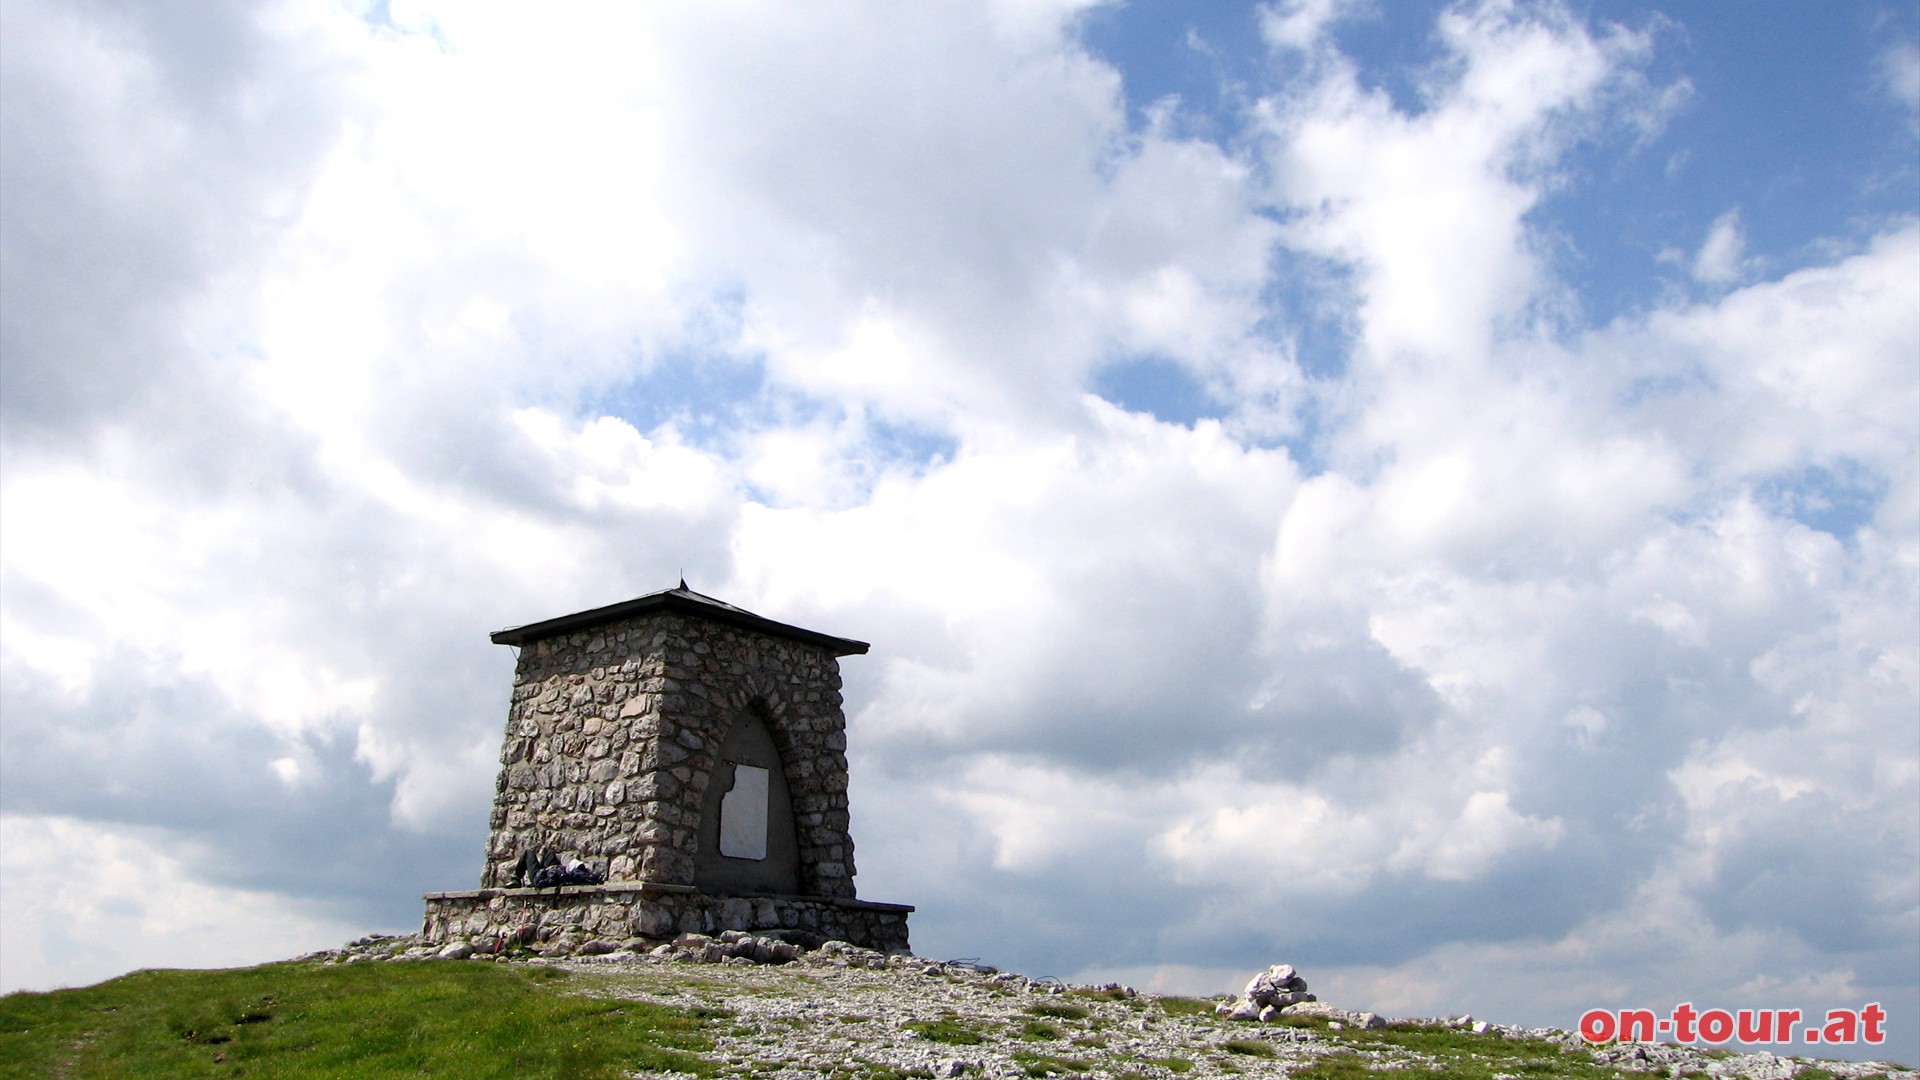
x=1429 y=493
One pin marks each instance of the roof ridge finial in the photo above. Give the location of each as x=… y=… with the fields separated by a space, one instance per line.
x=683 y=581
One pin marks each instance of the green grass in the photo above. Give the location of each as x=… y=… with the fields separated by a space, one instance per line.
x=948 y=1029
x=365 y=1020
x=1344 y=1065
x=1458 y=1053
x=1039 y=1031
x=1185 y=1006
x=1041 y=1065
x=1059 y=1010
x=1251 y=1047
x=867 y=1070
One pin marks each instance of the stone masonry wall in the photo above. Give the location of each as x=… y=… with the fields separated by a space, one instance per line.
x=612 y=738
x=617 y=913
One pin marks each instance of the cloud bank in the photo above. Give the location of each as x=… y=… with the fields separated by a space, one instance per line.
x=1269 y=554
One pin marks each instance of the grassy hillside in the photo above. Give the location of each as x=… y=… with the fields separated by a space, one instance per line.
x=361 y=1020
x=828 y=1017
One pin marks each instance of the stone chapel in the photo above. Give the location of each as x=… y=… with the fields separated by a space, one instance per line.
x=692 y=752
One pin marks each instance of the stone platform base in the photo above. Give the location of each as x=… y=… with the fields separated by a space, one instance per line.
x=628 y=909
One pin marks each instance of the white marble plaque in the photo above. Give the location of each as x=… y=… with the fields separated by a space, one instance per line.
x=743 y=815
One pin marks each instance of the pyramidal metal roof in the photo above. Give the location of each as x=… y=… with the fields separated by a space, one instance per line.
x=679 y=601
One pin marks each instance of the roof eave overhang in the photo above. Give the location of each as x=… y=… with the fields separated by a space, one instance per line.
x=676 y=603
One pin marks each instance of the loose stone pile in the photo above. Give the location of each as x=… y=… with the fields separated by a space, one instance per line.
x=731 y=947
x=794 y=1012
x=728 y=947
x=1269 y=992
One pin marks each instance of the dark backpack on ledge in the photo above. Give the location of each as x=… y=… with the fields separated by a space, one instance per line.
x=574 y=873
x=542 y=869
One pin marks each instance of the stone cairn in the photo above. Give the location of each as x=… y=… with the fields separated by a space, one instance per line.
x=1280 y=989
x=1267 y=994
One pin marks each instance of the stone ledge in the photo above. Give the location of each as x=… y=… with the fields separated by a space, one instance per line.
x=658 y=888
x=655 y=887
x=621 y=910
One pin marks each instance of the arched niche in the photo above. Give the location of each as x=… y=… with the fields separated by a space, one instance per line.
x=748 y=842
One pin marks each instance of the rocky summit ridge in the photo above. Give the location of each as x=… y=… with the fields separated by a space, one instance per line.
x=789 y=1008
